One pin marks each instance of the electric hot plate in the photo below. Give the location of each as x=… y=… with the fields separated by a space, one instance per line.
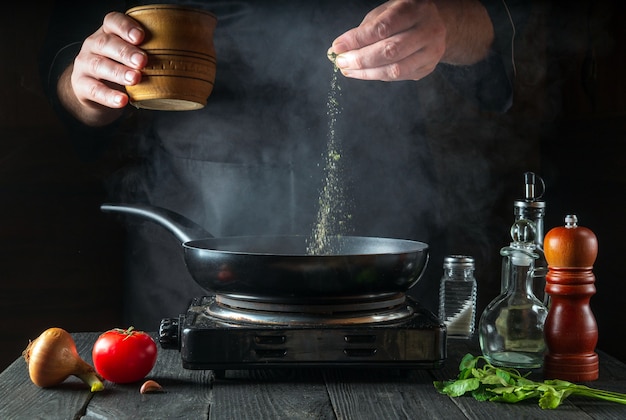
x=234 y=332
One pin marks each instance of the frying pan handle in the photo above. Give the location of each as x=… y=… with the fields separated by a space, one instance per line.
x=178 y=225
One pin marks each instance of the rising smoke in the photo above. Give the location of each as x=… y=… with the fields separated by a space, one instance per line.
x=422 y=161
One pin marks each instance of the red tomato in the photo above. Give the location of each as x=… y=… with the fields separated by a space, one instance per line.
x=124 y=356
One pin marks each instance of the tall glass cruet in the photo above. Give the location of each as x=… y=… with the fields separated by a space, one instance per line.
x=532 y=207
x=511 y=327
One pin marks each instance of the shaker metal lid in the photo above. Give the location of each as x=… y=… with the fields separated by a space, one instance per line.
x=458 y=261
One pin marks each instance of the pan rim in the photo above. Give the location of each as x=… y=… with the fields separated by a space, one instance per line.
x=396 y=246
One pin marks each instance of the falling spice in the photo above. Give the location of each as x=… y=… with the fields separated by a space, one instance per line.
x=332 y=216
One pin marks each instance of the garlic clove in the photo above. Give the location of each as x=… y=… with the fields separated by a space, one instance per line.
x=150 y=386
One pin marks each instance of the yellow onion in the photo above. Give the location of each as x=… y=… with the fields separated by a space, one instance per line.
x=52 y=358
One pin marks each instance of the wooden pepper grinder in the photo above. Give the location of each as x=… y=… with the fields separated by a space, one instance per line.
x=570 y=330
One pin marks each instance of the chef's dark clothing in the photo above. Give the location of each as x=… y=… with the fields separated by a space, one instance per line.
x=252 y=161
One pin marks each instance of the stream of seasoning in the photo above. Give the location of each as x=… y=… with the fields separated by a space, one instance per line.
x=332 y=216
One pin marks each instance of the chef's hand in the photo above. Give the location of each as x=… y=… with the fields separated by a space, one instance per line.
x=92 y=88
x=406 y=39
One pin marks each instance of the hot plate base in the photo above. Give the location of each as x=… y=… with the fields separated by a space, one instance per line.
x=419 y=341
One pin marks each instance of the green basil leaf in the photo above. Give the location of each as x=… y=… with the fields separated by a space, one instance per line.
x=460 y=387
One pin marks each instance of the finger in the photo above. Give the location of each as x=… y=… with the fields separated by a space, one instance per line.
x=349 y=40
x=379 y=24
x=390 y=50
x=100 y=67
x=113 y=47
x=415 y=67
x=98 y=92
x=125 y=27
x=117 y=39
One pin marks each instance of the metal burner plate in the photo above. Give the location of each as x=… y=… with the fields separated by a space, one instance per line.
x=305 y=312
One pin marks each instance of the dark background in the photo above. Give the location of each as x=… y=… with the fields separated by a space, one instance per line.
x=61 y=259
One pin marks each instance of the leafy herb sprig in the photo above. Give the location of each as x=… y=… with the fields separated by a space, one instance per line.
x=491 y=383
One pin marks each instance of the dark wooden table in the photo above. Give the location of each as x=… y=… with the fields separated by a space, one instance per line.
x=285 y=394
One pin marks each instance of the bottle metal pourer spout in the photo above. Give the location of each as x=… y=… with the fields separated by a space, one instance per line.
x=530 y=187
x=532 y=207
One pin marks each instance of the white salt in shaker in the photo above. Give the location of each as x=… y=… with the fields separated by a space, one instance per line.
x=457 y=296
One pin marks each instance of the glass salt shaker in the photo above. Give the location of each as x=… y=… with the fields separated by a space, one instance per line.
x=457 y=296
x=510 y=330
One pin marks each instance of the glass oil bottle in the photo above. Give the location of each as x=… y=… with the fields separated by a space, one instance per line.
x=511 y=326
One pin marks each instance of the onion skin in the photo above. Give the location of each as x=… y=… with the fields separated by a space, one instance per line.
x=52 y=358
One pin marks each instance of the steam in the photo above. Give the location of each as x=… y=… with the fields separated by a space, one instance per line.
x=414 y=170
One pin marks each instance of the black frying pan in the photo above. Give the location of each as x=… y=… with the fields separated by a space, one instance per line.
x=279 y=266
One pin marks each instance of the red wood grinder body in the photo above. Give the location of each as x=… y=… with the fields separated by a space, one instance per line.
x=570 y=330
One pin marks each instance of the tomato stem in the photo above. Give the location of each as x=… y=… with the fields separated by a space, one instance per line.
x=128 y=332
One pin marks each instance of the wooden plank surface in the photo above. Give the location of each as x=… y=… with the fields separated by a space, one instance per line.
x=285 y=393
x=271 y=394
x=387 y=395
x=185 y=391
x=21 y=399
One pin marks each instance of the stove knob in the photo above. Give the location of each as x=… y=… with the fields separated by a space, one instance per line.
x=169 y=333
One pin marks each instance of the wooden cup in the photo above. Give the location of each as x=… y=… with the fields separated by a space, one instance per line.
x=181 y=65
